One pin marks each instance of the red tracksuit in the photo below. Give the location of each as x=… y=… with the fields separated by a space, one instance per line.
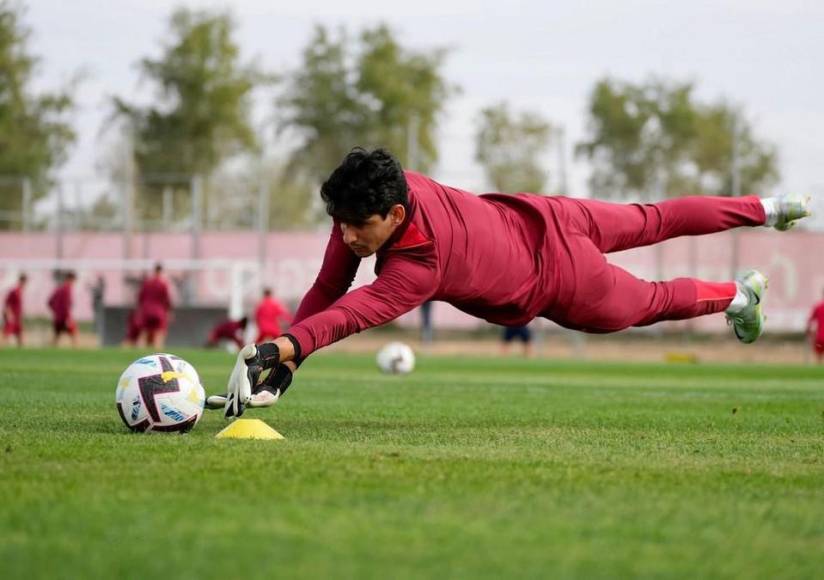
x=60 y=303
x=817 y=315
x=510 y=258
x=13 y=325
x=153 y=304
x=227 y=330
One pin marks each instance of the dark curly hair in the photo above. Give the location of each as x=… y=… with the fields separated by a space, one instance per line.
x=364 y=184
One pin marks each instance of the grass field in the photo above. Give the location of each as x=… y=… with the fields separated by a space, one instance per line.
x=466 y=468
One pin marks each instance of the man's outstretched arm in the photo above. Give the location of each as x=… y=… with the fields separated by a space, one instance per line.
x=404 y=283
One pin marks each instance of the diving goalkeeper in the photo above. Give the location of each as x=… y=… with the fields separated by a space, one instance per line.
x=504 y=258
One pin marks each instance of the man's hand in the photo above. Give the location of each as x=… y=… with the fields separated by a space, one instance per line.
x=266 y=393
x=251 y=362
x=269 y=390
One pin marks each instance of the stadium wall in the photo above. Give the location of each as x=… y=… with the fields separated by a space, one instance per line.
x=291 y=261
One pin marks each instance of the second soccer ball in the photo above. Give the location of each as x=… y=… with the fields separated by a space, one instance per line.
x=396 y=358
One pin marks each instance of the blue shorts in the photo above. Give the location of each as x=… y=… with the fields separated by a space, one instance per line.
x=520 y=332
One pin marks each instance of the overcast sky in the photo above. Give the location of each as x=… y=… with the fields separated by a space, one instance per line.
x=538 y=55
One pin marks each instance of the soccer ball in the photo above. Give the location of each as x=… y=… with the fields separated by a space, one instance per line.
x=396 y=358
x=160 y=392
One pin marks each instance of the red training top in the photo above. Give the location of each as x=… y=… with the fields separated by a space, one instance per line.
x=483 y=254
x=60 y=302
x=268 y=314
x=154 y=300
x=14 y=303
x=817 y=315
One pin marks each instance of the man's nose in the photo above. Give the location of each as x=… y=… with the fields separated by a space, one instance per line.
x=349 y=236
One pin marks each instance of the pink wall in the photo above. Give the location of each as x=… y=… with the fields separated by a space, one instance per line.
x=792 y=261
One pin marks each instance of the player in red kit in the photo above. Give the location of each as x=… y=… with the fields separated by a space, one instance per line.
x=268 y=315
x=228 y=330
x=153 y=305
x=504 y=258
x=60 y=303
x=815 y=330
x=13 y=312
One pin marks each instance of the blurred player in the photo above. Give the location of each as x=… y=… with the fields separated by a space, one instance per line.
x=134 y=328
x=153 y=305
x=13 y=312
x=268 y=315
x=60 y=303
x=815 y=330
x=504 y=258
x=522 y=333
x=229 y=331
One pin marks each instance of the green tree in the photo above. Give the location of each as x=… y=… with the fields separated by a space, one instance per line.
x=654 y=139
x=712 y=152
x=201 y=117
x=369 y=92
x=35 y=134
x=509 y=148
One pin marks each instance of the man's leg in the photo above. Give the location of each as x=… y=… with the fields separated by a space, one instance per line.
x=614 y=227
x=72 y=332
x=607 y=298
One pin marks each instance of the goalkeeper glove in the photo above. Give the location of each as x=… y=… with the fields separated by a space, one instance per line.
x=251 y=362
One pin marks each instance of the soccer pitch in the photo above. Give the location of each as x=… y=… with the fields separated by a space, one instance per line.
x=467 y=468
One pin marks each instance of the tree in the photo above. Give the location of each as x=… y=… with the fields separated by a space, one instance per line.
x=404 y=92
x=716 y=124
x=509 y=148
x=654 y=139
x=35 y=135
x=201 y=117
x=370 y=92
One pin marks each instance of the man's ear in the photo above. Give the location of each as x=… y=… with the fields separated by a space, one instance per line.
x=397 y=214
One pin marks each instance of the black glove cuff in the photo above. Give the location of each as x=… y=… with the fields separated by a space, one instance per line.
x=278 y=381
x=296 y=345
x=268 y=355
x=282 y=379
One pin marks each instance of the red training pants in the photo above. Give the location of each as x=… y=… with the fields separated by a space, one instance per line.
x=596 y=296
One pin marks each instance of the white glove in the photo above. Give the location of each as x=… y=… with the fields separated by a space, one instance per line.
x=244 y=376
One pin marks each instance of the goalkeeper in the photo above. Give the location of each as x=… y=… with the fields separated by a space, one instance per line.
x=504 y=258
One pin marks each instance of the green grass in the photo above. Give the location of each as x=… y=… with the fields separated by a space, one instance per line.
x=466 y=468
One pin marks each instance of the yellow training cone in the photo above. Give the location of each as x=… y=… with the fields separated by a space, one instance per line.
x=248 y=429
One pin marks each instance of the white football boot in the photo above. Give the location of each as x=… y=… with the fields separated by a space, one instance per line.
x=784 y=211
x=748 y=321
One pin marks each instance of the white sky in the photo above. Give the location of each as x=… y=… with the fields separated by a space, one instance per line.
x=538 y=55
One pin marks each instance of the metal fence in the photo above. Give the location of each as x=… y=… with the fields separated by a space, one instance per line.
x=169 y=203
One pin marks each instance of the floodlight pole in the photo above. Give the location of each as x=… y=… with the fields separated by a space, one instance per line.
x=412 y=144
x=59 y=224
x=735 y=179
x=196 y=185
x=262 y=219
x=27 y=199
x=562 y=168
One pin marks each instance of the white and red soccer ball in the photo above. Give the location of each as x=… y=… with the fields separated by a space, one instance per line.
x=160 y=392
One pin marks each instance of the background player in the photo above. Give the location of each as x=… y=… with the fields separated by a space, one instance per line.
x=153 y=305
x=13 y=311
x=522 y=333
x=268 y=315
x=60 y=303
x=228 y=331
x=815 y=330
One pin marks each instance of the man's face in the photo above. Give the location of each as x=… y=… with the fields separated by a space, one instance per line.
x=364 y=239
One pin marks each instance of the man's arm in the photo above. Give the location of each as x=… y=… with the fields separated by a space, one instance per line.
x=336 y=274
x=404 y=283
